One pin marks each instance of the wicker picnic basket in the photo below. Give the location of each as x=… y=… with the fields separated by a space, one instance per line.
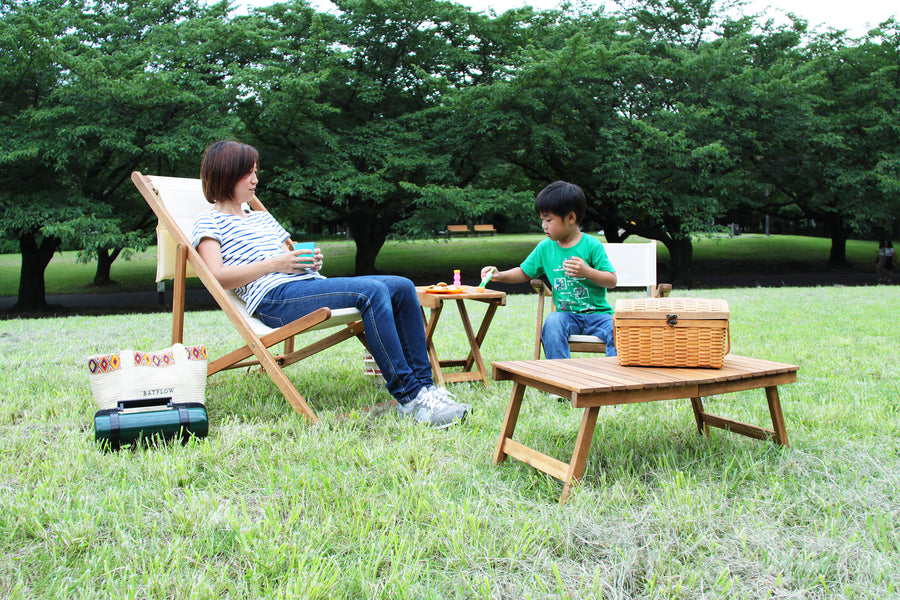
x=671 y=332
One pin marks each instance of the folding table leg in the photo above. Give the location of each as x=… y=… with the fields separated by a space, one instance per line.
x=777 y=417
x=582 y=447
x=482 y=332
x=509 y=421
x=697 y=404
x=474 y=358
x=430 y=326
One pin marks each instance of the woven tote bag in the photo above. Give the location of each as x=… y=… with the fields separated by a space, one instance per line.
x=178 y=372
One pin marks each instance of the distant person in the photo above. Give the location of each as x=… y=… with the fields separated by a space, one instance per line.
x=884 y=262
x=577 y=267
x=249 y=252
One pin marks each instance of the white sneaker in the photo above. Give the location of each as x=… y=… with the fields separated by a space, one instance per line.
x=432 y=406
x=448 y=397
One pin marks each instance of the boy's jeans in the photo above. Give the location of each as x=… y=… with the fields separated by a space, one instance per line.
x=559 y=325
x=391 y=315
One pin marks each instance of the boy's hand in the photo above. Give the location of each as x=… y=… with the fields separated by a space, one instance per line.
x=575 y=267
x=486 y=270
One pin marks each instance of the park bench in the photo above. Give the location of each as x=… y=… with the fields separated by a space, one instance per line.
x=486 y=228
x=452 y=229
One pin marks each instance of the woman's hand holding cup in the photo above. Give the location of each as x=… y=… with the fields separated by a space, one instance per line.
x=307 y=255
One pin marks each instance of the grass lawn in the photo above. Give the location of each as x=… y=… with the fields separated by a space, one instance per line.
x=433 y=260
x=378 y=507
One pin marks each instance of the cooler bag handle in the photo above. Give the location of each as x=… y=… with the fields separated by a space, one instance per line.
x=144 y=403
x=124 y=405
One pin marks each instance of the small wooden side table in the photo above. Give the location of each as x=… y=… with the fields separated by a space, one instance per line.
x=435 y=302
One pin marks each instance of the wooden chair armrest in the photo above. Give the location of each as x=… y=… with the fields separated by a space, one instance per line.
x=540 y=287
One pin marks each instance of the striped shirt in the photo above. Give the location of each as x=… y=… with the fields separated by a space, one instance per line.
x=256 y=237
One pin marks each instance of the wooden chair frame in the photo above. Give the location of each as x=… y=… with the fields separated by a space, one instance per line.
x=257 y=337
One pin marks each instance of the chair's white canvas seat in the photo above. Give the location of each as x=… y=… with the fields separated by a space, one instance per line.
x=339 y=316
x=585 y=339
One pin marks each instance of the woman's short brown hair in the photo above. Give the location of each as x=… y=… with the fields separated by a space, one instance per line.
x=224 y=164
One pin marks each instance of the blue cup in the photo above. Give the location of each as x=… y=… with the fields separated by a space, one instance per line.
x=311 y=246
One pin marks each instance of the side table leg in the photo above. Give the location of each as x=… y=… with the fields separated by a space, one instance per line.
x=482 y=330
x=430 y=326
x=509 y=421
x=474 y=351
x=777 y=417
x=582 y=446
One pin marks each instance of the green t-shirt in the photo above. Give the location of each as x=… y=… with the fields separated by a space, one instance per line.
x=571 y=294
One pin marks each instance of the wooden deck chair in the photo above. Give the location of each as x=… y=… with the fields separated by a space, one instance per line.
x=176 y=203
x=635 y=266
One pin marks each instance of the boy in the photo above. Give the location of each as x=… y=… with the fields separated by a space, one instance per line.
x=577 y=267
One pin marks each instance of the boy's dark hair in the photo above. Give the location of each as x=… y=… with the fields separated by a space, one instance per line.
x=224 y=164
x=561 y=198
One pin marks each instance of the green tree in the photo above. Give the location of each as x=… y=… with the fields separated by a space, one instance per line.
x=145 y=89
x=34 y=198
x=812 y=118
x=602 y=103
x=346 y=108
x=860 y=92
x=762 y=107
x=108 y=87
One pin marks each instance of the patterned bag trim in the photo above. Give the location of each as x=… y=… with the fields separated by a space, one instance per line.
x=104 y=364
x=108 y=363
x=196 y=352
x=154 y=359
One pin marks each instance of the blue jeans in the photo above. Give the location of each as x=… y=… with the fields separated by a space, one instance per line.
x=559 y=325
x=391 y=315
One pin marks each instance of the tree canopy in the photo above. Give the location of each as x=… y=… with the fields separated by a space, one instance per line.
x=394 y=118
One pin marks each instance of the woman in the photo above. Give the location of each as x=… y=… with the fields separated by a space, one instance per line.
x=251 y=253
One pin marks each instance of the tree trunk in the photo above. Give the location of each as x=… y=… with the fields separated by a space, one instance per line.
x=35 y=258
x=611 y=231
x=681 y=253
x=838 y=255
x=369 y=238
x=105 y=260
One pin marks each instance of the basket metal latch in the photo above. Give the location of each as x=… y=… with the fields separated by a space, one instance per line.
x=671 y=320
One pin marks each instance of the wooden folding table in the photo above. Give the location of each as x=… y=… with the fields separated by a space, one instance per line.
x=590 y=383
x=435 y=302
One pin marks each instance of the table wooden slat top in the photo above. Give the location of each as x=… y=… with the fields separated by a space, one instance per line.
x=433 y=300
x=604 y=374
x=592 y=377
